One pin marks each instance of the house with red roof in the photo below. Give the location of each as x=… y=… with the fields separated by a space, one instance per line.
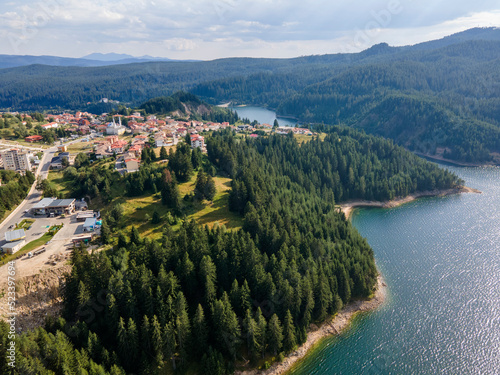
x=33 y=138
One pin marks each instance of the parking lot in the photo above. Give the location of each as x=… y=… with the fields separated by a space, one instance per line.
x=58 y=246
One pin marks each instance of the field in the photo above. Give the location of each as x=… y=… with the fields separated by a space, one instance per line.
x=138 y=211
x=301 y=138
x=56 y=178
x=78 y=147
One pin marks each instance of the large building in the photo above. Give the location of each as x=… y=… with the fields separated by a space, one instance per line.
x=54 y=206
x=115 y=129
x=16 y=160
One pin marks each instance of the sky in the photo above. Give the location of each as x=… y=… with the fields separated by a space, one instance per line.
x=206 y=30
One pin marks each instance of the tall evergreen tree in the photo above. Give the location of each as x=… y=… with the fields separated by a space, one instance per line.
x=274 y=334
x=289 y=340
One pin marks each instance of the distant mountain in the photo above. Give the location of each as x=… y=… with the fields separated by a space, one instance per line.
x=92 y=60
x=13 y=61
x=478 y=33
x=117 y=57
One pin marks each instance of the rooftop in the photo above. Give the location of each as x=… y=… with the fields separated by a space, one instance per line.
x=15 y=235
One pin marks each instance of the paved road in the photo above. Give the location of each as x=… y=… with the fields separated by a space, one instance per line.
x=33 y=196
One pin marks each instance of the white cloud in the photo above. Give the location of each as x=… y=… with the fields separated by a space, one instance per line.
x=203 y=29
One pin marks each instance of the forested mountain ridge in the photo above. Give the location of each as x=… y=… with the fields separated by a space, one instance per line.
x=444 y=102
x=454 y=80
x=208 y=300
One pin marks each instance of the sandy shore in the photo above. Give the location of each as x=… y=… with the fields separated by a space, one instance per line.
x=329 y=328
x=348 y=207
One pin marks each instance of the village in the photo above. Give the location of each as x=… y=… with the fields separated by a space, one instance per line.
x=123 y=137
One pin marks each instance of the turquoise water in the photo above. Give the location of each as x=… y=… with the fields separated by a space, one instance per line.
x=441 y=260
x=262 y=115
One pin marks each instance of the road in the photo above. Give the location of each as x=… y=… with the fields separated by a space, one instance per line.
x=33 y=196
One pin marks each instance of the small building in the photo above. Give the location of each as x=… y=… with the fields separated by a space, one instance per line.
x=85 y=238
x=33 y=138
x=84 y=215
x=89 y=225
x=56 y=162
x=12 y=247
x=15 y=235
x=62 y=148
x=132 y=165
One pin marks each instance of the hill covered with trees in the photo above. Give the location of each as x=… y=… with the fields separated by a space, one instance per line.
x=206 y=301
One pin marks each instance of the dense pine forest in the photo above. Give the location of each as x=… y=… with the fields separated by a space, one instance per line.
x=207 y=301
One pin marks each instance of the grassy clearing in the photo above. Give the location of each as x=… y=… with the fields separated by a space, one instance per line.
x=138 y=211
x=209 y=213
x=22 y=142
x=57 y=179
x=78 y=147
x=301 y=138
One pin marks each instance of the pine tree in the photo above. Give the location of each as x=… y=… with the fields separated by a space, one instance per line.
x=156 y=338
x=209 y=189
x=123 y=343
x=182 y=326
x=169 y=342
x=170 y=191
x=208 y=276
x=201 y=181
x=163 y=153
x=135 y=237
x=133 y=339
x=274 y=334
x=146 y=341
x=252 y=335
x=200 y=332
x=289 y=340
x=262 y=331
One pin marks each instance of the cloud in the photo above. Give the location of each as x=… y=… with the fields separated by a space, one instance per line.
x=202 y=29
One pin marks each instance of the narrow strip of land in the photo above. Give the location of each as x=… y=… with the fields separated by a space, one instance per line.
x=348 y=207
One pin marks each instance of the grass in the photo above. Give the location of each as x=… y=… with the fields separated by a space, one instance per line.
x=22 y=142
x=57 y=179
x=217 y=211
x=301 y=138
x=138 y=211
x=78 y=147
x=25 y=223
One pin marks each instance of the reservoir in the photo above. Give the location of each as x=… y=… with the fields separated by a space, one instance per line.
x=262 y=115
x=441 y=260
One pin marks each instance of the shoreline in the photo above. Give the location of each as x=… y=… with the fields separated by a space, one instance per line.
x=329 y=328
x=453 y=162
x=348 y=207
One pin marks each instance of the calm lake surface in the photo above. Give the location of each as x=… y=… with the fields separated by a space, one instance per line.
x=262 y=115
x=441 y=260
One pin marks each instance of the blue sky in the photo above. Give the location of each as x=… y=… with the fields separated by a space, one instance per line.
x=204 y=30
